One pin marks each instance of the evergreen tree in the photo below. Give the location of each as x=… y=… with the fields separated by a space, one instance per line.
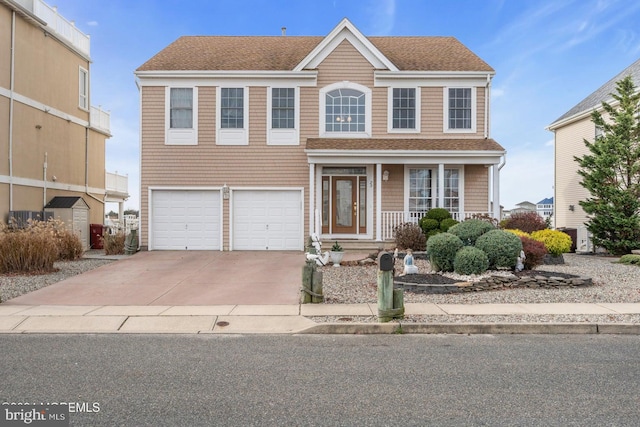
x=611 y=173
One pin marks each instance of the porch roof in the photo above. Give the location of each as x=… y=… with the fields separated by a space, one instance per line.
x=404 y=150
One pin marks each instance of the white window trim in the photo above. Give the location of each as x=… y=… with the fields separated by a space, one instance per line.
x=283 y=136
x=445 y=110
x=83 y=98
x=367 y=111
x=435 y=177
x=180 y=136
x=390 y=128
x=232 y=136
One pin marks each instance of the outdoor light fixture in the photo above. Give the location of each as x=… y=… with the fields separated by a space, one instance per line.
x=571 y=208
x=225 y=192
x=385 y=176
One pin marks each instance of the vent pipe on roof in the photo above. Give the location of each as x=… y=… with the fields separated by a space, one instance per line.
x=284 y=31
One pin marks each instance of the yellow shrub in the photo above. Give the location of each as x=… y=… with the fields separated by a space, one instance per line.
x=555 y=241
x=518 y=233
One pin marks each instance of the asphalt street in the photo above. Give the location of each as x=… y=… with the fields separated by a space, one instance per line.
x=327 y=380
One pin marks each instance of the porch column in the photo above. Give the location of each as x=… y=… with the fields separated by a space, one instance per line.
x=441 y=185
x=496 y=191
x=378 y=202
x=312 y=198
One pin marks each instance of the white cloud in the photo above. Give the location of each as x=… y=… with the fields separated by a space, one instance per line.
x=527 y=175
x=92 y=23
x=383 y=14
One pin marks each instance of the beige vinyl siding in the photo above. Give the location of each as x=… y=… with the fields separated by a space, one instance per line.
x=5 y=47
x=211 y=165
x=476 y=188
x=568 y=191
x=393 y=190
x=432 y=111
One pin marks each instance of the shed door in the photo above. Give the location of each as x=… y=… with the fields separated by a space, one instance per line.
x=185 y=220
x=267 y=220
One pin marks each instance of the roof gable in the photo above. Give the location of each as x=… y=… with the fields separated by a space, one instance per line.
x=346 y=30
x=290 y=53
x=65 y=202
x=602 y=94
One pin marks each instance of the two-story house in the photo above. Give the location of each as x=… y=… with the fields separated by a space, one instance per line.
x=52 y=140
x=570 y=131
x=254 y=143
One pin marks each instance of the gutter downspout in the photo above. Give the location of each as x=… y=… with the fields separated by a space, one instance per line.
x=487 y=100
x=11 y=89
x=44 y=179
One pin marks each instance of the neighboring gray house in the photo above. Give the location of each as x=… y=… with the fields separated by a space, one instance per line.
x=570 y=130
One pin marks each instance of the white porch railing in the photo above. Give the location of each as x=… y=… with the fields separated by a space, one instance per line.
x=116 y=185
x=391 y=219
x=131 y=222
x=58 y=24
x=100 y=119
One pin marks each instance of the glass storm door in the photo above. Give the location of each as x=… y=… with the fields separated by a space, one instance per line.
x=345 y=204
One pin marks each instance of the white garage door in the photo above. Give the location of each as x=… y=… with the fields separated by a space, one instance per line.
x=185 y=219
x=267 y=220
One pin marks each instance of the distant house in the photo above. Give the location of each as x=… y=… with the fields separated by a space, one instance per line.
x=52 y=140
x=253 y=143
x=545 y=208
x=570 y=130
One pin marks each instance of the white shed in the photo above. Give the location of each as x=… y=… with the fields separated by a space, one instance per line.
x=74 y=212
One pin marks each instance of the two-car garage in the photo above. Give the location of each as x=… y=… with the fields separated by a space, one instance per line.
x=193 y=219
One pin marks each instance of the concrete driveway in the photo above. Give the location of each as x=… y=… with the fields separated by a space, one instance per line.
x=173 y=278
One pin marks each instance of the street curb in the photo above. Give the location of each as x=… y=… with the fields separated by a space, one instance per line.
x=472 y=328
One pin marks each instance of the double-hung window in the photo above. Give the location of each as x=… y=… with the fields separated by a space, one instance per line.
x=83 y=89
x=404 y=110
x=181 y=116
x=232 y=116
x=232 y=108
x=283 y=116
x=460 y=109
x=423 y=190
x=181 y=108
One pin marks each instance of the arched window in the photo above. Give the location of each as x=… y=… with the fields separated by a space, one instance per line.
x=345 y=111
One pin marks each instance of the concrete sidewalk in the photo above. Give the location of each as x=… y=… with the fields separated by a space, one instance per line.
x=295 y=318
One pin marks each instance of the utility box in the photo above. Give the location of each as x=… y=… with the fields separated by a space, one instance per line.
x=74 y=212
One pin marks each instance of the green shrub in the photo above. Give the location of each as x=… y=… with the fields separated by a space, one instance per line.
x=32 y=249
x=534 y=252
x=447 y=223
x=470 y=260
x=410 y=236
x=524 y=221
x=428 y=224
x=555 y=241
x=442 y=249
x=438 y=214
x=468 y=231
x=113 y=244
x=630 y=259
x=502 y=248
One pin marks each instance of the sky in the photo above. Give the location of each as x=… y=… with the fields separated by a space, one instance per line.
x=548 y=56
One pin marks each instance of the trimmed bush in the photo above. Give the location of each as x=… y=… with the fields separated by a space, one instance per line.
x=502 y=248
x=555 y=241
x=470 y=260
x=518 y=233
x=534 y=252
x=438 y=214
x=428 y=224
x=468 y=231
x=410 y=236
x=524 y=221
x=630 y=259
x=447 y=223
x=442 y=249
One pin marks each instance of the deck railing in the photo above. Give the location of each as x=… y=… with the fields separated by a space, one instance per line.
x=100 y=119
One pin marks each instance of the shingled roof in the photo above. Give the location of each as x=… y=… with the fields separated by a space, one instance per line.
x=283 y=53
x=409 y=144
x=602 y=94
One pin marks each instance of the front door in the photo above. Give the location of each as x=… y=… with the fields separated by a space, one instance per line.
x=345 y=204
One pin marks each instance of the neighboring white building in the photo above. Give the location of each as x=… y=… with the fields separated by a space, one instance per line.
x=545 y=208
